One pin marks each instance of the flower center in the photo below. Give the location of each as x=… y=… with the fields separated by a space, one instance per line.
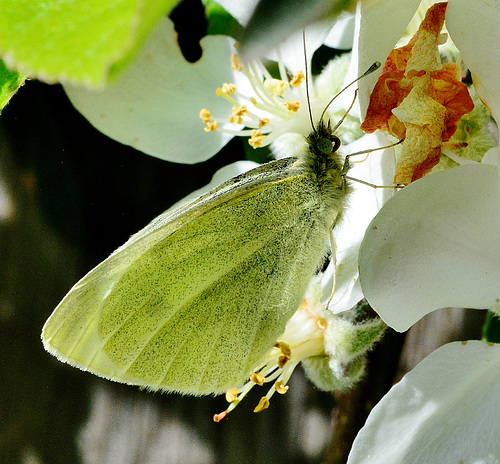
x=264 y=106
x=303 y=338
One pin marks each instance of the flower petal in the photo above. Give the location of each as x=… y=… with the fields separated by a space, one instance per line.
x=435 y=244
x=241 y=10
x=382 y=23
x=419 y=99
x=364 y=204
x=443 y=411
x=155 y=104
x=473 y=27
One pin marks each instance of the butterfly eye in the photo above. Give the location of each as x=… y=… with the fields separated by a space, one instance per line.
x=325 y=146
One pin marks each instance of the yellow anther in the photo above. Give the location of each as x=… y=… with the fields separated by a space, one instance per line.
x=280 y=387
x=235 y=62
x=219 y=417
x=284 y=348
x=275 y=86
x=232 y=395
x=263 y=122
x=292 y=107
x=211 y=126
x=259 y=379
x=228 y=89
x=205 y=115
x=253 y=100
x=240 y=110
x=263 y=404
x=256 y=139
x=321 y=324
x=282 y=360
x=297 y=79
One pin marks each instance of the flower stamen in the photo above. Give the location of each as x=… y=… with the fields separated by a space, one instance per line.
x=266 y=106
x=235 y=62
x=256 y=139
x=297 y=79
x=263 y=404
x=304 y=338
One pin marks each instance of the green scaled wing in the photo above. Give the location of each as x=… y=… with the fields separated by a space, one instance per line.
x=195 y=299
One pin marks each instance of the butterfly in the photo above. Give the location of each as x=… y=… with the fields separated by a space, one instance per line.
x=193 y=301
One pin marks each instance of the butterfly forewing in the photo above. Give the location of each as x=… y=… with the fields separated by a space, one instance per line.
x=192 y=302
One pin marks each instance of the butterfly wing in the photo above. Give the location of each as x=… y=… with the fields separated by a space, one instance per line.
x=194 y=300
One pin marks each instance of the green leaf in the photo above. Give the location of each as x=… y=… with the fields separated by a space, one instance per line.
x=491 y=329
x=76 y=41
x=10 y=81
x=220 y=22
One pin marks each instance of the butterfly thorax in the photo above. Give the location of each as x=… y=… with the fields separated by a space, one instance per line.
x=327 y=167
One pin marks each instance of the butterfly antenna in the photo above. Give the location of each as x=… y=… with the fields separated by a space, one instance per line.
x=346 y=113
x=371 y=69
x=307 y=81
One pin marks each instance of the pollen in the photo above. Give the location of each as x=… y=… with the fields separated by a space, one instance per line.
x=238 y=112
x=211 y=126
x=235 y=62
x=256 y=139
x=228 y=88
x=205 y=115
x=258 y=379
x=219 y=417
x=282 y=360
x=284 y=348
x=280 y=387
x=297 y=79
x=232 y=395
x=292 y=107
x=260 y=102
x=275 y=86
x=263 y=404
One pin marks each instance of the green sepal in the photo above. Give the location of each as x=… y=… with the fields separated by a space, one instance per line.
x=346 y=342
x=473 y=129
x=324 y=373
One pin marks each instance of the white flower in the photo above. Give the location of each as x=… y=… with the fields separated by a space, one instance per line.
x=437 y=244
x=330 y=347
x=444 y=411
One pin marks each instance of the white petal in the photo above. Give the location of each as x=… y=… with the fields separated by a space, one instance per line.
x=381 y=24
x=241 y=10
x=342 y=34
x=155 y=104
x=364 y=204
x=443 y=411
x=492 y=156
x=473 y=27
x=435 y=244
